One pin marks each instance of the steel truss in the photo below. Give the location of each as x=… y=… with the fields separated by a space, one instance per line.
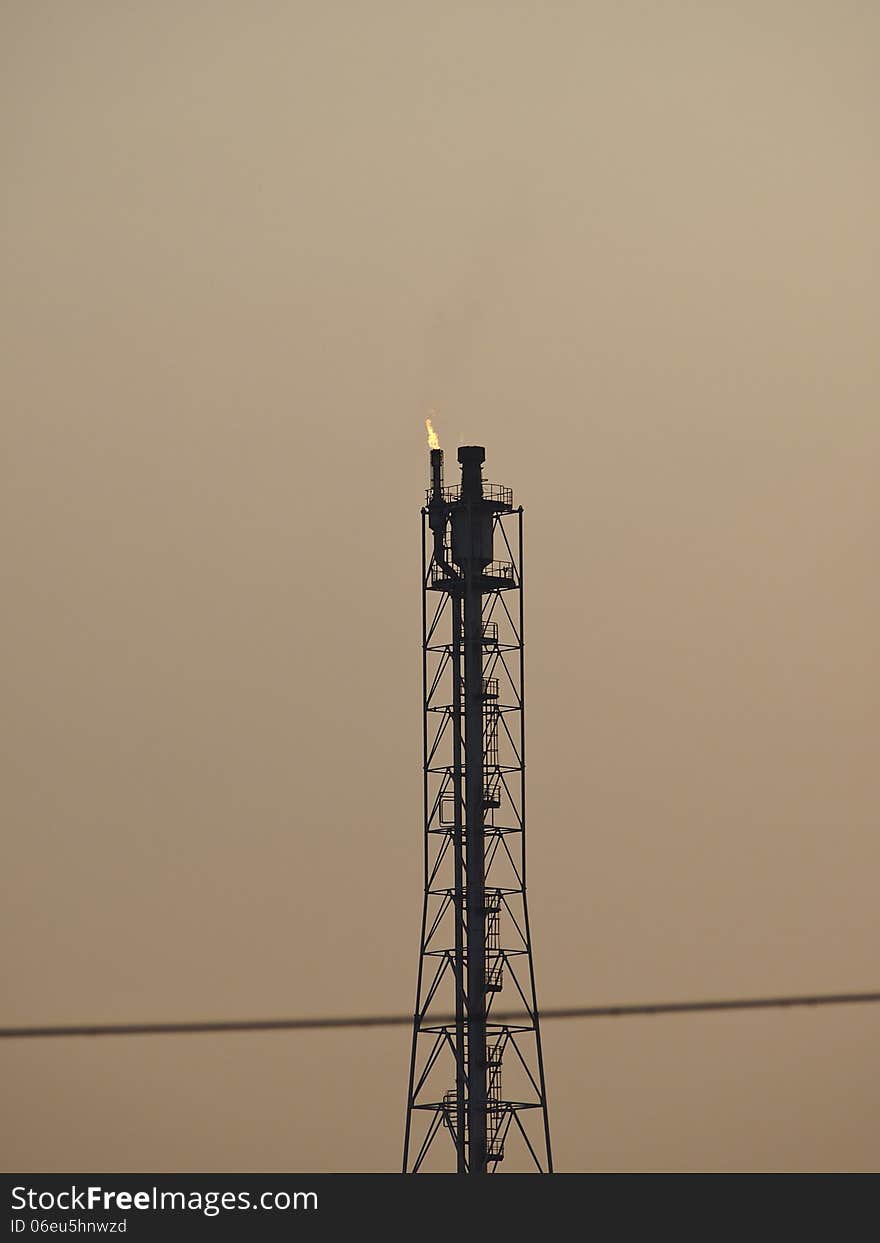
x=476 y=1084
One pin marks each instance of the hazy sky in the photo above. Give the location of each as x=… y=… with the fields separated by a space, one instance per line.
x=633 y=249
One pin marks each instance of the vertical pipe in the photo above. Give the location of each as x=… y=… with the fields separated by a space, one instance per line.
x=475 y=848
x=458 y=855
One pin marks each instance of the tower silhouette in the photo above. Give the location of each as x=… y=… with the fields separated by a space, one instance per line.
x=476 y=1080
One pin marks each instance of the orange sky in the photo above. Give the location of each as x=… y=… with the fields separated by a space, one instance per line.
x=246 y=248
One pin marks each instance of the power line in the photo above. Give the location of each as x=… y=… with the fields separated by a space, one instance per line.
x=403 y=1020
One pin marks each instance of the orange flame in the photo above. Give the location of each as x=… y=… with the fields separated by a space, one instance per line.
x=433 y=438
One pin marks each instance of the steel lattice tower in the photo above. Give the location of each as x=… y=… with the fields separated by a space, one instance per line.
x=477 y=1080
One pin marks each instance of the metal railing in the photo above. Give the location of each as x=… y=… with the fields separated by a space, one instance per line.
x=450 y=1108
x=495 y=1106
x=498 y=493
x=490 y=737
x=440 y=575
x=498 y=571
x=492 y=793
x=502 y=570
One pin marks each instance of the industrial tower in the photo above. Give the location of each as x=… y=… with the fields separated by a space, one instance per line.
x=476 y=1084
